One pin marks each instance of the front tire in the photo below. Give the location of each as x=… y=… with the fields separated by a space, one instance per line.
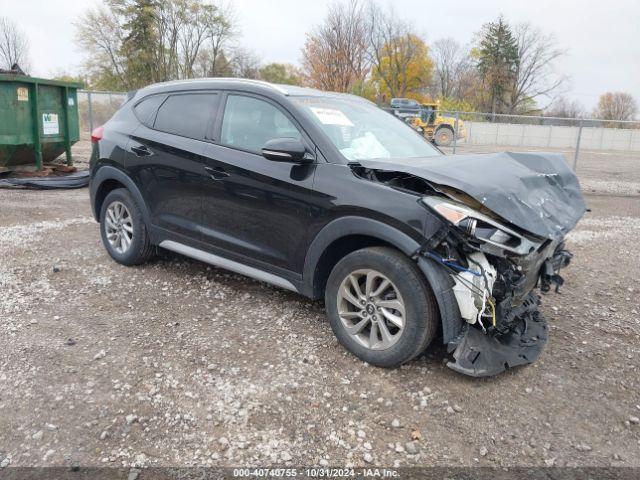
x=444 y=137
x=380 y=307
x=122 y=228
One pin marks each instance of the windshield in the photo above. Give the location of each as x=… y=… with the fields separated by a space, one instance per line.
x=362 y=131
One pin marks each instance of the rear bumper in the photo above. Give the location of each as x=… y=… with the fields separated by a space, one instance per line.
x=92 y=198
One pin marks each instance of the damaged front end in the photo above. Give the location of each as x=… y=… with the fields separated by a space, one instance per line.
x=495 y=269
x=504 y=217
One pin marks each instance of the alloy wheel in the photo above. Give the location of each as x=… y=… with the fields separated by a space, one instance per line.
x=371 y=309
x=119 y=227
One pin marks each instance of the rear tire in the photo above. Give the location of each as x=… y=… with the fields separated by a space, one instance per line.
x=444 y=137
x=407 y=300
x=122 y=228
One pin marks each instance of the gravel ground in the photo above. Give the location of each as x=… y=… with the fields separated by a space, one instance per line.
x=176 y=363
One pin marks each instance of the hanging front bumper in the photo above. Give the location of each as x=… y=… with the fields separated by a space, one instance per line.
x=483 y=355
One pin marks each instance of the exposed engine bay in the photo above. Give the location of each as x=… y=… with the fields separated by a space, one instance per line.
x=497 y=245
x=497 y=300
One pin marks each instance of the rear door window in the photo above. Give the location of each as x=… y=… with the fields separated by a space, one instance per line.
x=187 y=115
x=249 y=122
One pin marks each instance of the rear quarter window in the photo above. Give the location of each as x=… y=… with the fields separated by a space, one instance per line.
x=146 y=109
x=187 y=115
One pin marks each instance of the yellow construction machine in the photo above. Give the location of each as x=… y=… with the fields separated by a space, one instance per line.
x=436 y=128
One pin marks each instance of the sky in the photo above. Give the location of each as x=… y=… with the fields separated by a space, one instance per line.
x=599 y=37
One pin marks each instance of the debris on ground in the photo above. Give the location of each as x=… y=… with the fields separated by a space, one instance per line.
x=48 y=182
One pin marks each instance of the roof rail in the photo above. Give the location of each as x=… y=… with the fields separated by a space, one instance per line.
x=277 y=88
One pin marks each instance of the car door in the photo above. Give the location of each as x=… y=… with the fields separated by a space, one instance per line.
x=165 y=158
x=254 y=208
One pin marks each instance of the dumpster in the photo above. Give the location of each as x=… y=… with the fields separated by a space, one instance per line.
x=38 y=121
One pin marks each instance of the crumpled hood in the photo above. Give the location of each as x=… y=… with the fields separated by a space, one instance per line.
x=534 y=191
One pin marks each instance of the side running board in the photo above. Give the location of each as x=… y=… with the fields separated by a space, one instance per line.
x=227 y=264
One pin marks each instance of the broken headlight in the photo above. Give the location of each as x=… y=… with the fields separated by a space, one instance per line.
x=479 y=226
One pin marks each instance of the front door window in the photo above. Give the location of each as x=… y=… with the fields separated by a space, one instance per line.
x=249 y=123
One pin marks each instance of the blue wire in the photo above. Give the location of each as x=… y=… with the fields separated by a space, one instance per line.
x=455 y=266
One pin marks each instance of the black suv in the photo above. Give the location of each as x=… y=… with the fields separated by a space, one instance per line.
x=327 y=195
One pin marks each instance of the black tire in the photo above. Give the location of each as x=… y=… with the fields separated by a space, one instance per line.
x=140 y=250
x=444 y=137
x=421 y=313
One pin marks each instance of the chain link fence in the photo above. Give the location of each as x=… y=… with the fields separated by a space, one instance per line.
x=604 y=154
x=570 y=135
x=96 y=107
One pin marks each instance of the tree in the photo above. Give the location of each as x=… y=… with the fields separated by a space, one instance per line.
x=68 y=77
x=222 y=66
x=220 y=32
x=403 y=68
x=400 y=59
x=564 y=108
x=14 y=46
x=183 y=26
x=449 y=104
x=142 y=35
x=453 y=66
x=497 y=62
x=616 y=106
x=283 y=73
x=334 y=56
x=100 y=33
x=534 y=75
x=131 y=43
x=245 y=64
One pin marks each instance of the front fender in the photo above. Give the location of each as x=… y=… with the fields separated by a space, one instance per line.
x=351 y=225
x=442 y=285
x=440 y=282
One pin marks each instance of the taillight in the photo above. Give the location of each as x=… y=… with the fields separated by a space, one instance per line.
x=97 y=134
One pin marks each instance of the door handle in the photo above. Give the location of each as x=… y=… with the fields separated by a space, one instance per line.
x=216 y=173
x=141 y=151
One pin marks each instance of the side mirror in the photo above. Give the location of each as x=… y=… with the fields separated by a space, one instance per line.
x=286 y=150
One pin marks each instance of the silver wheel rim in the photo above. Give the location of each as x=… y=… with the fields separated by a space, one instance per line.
x=119 y=227
x=371 y=309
